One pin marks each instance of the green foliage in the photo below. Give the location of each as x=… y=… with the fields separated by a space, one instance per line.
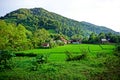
x=60 y=43
x=70 y=56
x=93 y=67
x=38 y=62
x=101 y=54
x=52 y=44
x=41 y=58
x=93 y=38
x=39 y=37
x=117 y=50
x=113 y=68
x=5 y=60
x=102 y=36
x=96 y=39
x=24 y=54
x=13 y=37
x=77 y=37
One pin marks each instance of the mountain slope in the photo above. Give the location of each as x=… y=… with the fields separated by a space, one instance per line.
x=37 y=18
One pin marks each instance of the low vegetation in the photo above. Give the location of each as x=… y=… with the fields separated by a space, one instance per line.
x=20 y=54
x=5 y=60
x=71 y=57
x=117 y=50
x=69 y=65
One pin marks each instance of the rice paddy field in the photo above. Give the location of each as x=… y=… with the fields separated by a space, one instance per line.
x=95 y=66
x=58 y=53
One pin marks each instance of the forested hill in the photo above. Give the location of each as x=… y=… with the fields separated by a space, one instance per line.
x=36 y=18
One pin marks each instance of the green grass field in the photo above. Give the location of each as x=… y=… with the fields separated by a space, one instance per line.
x=57 y=68
x=73 y=48
x=58 y=53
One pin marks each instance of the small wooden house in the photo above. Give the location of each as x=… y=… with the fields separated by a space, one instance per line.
x=63 y=40
x=75 y=41
x=45 y=45
x=104 y=41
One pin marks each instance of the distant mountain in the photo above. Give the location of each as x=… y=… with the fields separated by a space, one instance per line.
x=36 y=18
x=95 y=28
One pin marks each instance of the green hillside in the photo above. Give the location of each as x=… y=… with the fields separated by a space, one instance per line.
x=36 y=18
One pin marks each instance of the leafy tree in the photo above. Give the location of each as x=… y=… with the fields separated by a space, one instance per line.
x=40 y=36
x=102 y=36
x=93 y=38
x=13 y=37
x=85 y=40
x=77 y=37
x=3 y=34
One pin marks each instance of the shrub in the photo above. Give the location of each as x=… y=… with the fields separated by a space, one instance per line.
x=26 y=54
x=101 y=54
x=52 y=44
x=20 y=54
x=40 y=59
x=31 y=55
x=70 y=57
x=117 y=51
x=117 y=48
x=5 y=60
x=75 y=58
x=34 y=66
x=112 y=63
x=60 y=43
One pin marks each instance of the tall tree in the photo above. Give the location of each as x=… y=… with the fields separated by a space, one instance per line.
x=93 y=38
x=40 y=36
x=102 y=36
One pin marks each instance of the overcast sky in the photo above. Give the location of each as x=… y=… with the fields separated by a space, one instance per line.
x=99 y=12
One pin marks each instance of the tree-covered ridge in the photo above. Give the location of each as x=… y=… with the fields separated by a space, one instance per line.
x=96 y=29
x=37 y=18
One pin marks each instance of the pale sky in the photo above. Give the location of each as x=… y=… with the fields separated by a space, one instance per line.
x=99 y=12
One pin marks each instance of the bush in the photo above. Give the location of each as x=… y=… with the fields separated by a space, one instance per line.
x=117 y=51
x=20 y=54
x=40 y=59
x=60 y=43
x=112 y=63
x=31 y=55
x=52 y=44
x=70 y=57
x=37 y=63
x=5 y=60
x=117 y=48
x=26 y=54
x=101 y=54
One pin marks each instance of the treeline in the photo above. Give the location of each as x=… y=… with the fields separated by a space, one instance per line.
x=97 y=38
